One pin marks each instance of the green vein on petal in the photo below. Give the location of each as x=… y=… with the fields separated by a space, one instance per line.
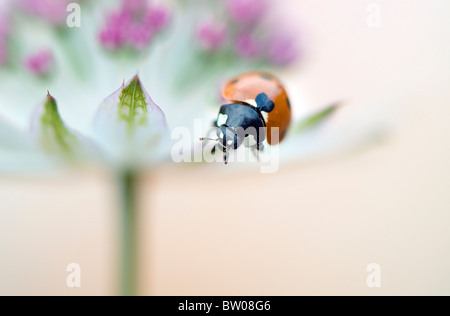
x=130 y=127
x=54 y=136
x=132 y=105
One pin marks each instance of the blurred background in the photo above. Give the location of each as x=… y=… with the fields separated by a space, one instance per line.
x=373 y=190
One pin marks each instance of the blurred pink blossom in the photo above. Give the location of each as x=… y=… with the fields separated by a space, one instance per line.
x=4 y=33
x=140 y=36
x=115 y=33
x=53 y=11
x=247 y=46
x=211 y=35
x=133 y=25
x=247 y=12
x=282 y=49
x=157 y=17
x=40 y=63
x=134 y=5
x=4 y=27
x=3 y=54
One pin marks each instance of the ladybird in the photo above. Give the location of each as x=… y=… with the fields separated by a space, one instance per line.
x=259 y=110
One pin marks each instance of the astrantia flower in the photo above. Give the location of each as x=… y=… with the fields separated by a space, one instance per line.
x=40 y=63
x=282 y=49
x=53 y=11
x=156 y=17
x=2 y=53
x=247 y=45
x=255 y=37
x=134 y=5
x=140 y=36
x=247 y=12
x=133 y=25
x=4 y=26
x=174 y=71
x=127 y=132
x=4 y=31
x=115 y=32
x=211 y=34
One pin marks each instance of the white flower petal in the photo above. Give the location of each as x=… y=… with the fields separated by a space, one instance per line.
x=18 y=154
x=52 y=135
x=345 y=131
x=131 y=127
x=12 y=138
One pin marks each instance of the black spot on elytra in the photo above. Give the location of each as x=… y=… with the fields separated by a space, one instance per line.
x=288 y=103
x=234 y=81
x=284 y=133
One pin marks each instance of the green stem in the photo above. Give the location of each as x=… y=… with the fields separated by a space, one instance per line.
x=129 y=223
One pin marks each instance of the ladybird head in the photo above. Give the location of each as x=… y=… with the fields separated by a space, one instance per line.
x=229 y=138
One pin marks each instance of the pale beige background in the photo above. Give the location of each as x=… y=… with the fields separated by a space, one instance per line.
x=311 y=228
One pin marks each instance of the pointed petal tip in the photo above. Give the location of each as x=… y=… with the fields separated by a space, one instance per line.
x=135 y=79
x=50 y=99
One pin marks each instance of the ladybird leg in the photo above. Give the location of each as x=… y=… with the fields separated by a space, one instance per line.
x=255 y=153
x=225 y=157
x=259 y=146
x=213 y=150
x=256 y=149
x=210 y=132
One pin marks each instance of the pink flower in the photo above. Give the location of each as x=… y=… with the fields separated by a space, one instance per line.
x=140 y=36
x=157 y=17
x=115 y=33
x=4 y=27
x=134 y=5
x=40 y=63
x=128 y=27
x=282 y=49
x=3 y=54
x=4 y=33
x=53 y=11
x=247 y=12
x=247 y=46
x=211 y=35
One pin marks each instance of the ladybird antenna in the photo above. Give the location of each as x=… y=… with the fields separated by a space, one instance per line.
x=214 y=140
x=207 y=138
